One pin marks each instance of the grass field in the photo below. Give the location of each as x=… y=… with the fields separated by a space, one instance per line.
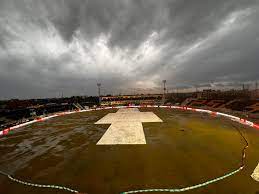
x=186 y=149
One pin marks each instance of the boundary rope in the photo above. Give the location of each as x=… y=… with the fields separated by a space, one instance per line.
x=186 y=188
x=38 y=185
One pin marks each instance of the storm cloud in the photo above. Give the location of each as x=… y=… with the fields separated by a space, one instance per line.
x=49 y=47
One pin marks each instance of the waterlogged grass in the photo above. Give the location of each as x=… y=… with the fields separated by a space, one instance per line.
x=186 y=149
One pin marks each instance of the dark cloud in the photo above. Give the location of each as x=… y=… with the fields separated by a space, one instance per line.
x=65 y=17
x=54 y=46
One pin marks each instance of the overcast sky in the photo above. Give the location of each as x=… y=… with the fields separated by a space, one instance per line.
x=52 y=46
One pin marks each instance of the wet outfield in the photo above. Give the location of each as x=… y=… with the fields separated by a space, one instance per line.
x=186 y=149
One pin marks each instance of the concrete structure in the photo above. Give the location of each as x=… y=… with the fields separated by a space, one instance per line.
x=126 y=126
x=131 y=99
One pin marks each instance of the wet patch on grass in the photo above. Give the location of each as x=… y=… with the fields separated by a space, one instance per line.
x=186 y=149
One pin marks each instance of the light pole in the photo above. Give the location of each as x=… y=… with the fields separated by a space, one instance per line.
x=163 y=100
x=99 y=92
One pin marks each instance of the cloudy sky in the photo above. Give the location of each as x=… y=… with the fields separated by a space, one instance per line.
x=49 y=47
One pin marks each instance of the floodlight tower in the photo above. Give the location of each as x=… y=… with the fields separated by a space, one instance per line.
x=256 y=89
x=99 y=92
x=163 y=100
